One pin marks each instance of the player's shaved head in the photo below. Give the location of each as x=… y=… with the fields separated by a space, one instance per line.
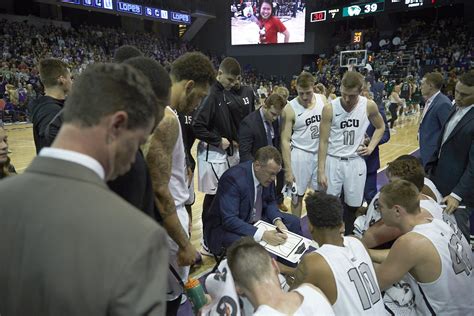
x=125 y=52
x=249 y=263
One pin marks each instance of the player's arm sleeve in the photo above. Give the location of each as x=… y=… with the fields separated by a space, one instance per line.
x=246 y=140
x=202 y=122
x=229 y=207
x=466 y=183
x=141 y=287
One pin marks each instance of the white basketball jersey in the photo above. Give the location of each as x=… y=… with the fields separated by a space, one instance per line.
x=178 y=185
x=358 y=292
x=432 y=186
x=305 y=134
x=314 y=303
x=451 y=293
x=347 y=128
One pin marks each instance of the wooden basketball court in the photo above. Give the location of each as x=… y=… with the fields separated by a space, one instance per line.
x=23 y=151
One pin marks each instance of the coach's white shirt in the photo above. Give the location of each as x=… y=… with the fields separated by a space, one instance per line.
x=75 y=157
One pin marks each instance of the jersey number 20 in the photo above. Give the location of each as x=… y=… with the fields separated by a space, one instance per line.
x=368 y=291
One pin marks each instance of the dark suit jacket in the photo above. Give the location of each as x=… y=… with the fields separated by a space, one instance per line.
x=252 y=135
x=70 y=246
x=431 y=126
x=453 y=171
x=373 y=160
x=232 y=206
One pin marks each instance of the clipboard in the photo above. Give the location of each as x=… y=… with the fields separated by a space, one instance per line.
x=292 y=250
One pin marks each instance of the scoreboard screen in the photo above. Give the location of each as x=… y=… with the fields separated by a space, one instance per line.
x=120 y=6
x=368 y=8
x=363 y=9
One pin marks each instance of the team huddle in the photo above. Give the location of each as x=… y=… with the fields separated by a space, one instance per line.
x=409 y=256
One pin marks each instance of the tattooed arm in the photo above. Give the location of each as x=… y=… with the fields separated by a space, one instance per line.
x=159 y=159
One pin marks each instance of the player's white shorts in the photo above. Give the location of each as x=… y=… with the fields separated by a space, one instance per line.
x=212 y=163
x=347 y=173
x=305 y=170
x=174 y=288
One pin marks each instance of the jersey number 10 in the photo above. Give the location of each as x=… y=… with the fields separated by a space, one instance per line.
x=368 y=290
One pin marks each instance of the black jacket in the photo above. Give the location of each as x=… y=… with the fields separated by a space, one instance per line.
x=136 y=188
x=243 y=105
x=453 y=171
x=46 y=120
x=252 y=135
x=213 y=119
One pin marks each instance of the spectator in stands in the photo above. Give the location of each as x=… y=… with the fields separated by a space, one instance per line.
x=255 y=275
x=435 y=114
x=6 y=168
x=45 y=111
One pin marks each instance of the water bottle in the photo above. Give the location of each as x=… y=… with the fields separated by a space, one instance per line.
x=195 y=293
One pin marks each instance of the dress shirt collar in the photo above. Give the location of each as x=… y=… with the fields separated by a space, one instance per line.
x=262 y=115
x=430 y=99
x=256 y=183
x=75 y=157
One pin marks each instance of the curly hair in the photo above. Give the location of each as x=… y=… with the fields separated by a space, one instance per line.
x=324 y=210
x=193 y=66
x=407 y=169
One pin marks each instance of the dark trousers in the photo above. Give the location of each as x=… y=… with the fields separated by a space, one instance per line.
x=173 y=306
x=462 y=219
x=393 y=111
x=220 y=239
x=370 y=189
x=279 y=186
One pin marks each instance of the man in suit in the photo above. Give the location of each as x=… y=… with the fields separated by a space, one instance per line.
x=245 y=195
x=434 y=114
x=452 y=166
x=69 y=245
x=261 y=128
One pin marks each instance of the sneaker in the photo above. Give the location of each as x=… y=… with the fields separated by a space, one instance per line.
x=283 y=207
x=184 y=298
x=205 y=251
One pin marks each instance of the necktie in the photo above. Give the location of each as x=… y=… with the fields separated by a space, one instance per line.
x=268 y=130
x=257 y=207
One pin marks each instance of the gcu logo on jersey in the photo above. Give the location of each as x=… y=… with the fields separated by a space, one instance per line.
x=313 y=119
x=350 y=123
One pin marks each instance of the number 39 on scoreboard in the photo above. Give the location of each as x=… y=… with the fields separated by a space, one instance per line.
x=318 y=16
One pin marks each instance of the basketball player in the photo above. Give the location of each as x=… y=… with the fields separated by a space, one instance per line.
x=255 y=275
x=341 y=267
x=191 y=74
x=437 y=259
x=375 y=232
x=300 y=138
x=244 y=100
x=343 y=125
x=215 y=125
